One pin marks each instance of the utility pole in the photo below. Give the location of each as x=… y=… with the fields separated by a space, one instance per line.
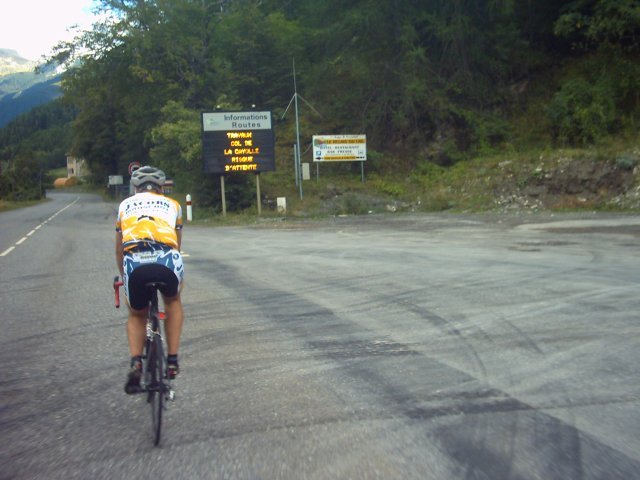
x=296 y=147
x=295 y=96
x=297 y=151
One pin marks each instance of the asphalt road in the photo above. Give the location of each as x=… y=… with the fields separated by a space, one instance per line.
x=415 y=346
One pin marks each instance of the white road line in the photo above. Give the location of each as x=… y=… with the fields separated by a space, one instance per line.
x=10 y=249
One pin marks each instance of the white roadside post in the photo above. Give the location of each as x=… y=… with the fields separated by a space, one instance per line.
x=282 y=205
x=189 y=211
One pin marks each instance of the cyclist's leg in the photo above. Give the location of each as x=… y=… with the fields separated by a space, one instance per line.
x=172 y=275
x=173 y=322
x=137 y=301
x=136 y=331
x=173 y=329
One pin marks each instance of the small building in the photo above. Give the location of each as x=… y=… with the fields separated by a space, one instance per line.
x=76 y=167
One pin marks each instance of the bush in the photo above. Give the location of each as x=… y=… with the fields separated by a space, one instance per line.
x=22 y=181
x=581 y=112
x=626 y=161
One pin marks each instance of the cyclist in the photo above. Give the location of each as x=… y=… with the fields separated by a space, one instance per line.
x=148 y=238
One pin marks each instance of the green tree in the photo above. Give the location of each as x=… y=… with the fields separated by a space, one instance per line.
x=593 y=24
x=176 y=144
x=23 y=180
x=147 y=54
x=582 y=112
x=601 y=94
x=428 y=81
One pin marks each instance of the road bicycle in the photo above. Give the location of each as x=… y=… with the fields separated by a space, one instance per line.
x=155 y=383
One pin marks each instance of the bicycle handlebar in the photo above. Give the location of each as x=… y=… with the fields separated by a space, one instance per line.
x=117 y=283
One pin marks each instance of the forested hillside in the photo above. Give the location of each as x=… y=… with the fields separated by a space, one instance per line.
x=431 y=83
x=30 y=146
x=24 y=85
x=41 y=92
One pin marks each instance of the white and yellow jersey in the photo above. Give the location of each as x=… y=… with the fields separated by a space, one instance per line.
x=149 y=217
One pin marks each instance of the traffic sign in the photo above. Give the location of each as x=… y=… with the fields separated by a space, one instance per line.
x=133 y=166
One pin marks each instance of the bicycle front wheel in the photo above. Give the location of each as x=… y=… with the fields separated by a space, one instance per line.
x=156 y=387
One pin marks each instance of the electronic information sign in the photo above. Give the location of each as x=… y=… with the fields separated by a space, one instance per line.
x=339 y=148
x=238 y=142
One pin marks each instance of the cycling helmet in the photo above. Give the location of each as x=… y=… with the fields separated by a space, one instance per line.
x=149 y=176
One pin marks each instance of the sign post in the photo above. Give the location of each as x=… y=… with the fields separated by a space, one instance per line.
x=259 y=201
x=224 y=199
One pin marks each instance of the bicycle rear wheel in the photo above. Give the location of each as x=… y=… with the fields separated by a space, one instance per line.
x=156 y=386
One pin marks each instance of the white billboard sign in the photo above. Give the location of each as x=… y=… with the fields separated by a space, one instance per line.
x=339 y=148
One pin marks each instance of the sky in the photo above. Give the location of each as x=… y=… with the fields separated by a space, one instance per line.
x=33 y=27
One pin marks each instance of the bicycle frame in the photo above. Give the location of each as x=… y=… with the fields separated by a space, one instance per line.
x=154 y=334
x=156 y=386
x=154 y=316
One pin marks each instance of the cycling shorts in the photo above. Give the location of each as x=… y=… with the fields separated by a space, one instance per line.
x=151 y=264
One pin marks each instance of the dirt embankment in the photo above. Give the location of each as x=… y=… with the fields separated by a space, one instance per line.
x=574 y=183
